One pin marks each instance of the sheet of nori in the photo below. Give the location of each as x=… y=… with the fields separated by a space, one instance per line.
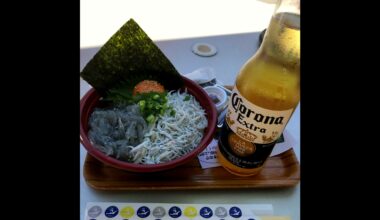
x=127 y=58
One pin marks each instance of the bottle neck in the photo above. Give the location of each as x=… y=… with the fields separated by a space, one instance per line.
x=289 y=6
x=282 y=39
x=286 y=13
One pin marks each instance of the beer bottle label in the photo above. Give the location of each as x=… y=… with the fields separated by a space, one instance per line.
x=253 y=123
x=250 y=132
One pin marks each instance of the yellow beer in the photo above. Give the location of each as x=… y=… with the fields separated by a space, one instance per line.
x=266 y=93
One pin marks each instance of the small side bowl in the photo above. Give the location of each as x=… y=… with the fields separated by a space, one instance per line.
x=220 y=94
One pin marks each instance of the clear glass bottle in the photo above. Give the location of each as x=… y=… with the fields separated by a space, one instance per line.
x=265 y=95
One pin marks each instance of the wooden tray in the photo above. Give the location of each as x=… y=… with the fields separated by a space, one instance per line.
x=282 y=170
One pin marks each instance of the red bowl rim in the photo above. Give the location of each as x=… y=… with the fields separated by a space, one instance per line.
x=145 y=168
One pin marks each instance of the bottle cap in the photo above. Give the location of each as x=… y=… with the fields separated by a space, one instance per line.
x=204 y=49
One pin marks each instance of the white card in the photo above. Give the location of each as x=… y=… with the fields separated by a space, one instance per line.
x=207 y=158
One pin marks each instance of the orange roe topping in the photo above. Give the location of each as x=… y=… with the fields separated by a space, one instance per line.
x=146 y=86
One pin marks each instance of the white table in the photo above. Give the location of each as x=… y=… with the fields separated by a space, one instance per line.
x=233 y=27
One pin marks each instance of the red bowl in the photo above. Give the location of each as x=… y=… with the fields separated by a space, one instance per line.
x=91 y=100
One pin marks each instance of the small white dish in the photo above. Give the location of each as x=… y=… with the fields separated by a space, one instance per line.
x=204 y=49
x=218 y=96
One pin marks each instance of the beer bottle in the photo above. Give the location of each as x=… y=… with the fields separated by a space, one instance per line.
x=265 y=95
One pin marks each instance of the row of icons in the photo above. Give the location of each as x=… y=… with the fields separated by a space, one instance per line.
x=160 y=212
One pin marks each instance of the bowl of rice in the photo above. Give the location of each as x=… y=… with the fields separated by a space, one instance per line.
x=119 y=137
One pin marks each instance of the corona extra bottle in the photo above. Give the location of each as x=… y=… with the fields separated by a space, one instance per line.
x=265 y=95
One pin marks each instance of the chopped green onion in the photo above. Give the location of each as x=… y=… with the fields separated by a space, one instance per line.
x=142 y=105
x=172 y=112
x=156 y=97
x=150 y=119
x=187 y=98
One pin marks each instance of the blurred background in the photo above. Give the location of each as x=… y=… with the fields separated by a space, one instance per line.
x=172 y=19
